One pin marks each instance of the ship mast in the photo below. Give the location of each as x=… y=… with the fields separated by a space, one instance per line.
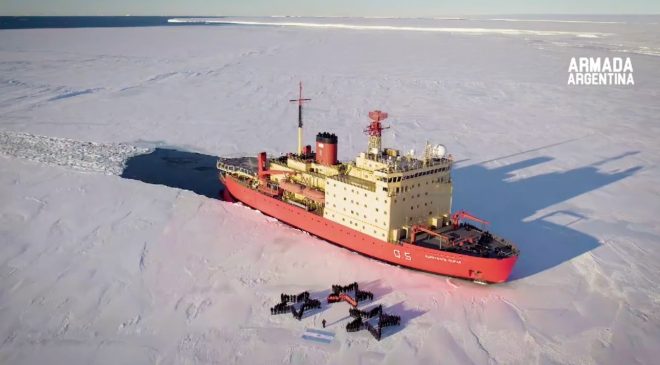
x=374 y=131
x=300 y=101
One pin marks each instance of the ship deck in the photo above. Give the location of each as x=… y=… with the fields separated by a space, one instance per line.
x=467 y=240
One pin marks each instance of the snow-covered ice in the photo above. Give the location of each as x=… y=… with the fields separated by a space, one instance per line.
x=96 y=268
x=88 y=156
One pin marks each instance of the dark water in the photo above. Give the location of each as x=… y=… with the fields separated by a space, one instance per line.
x=31 y=22
x=177 y=169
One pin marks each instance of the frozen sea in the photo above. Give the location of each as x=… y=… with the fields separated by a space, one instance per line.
x=113 y=248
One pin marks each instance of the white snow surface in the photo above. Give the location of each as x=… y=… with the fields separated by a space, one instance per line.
x=97 y=269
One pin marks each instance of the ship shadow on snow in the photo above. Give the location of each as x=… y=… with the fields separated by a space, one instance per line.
x=491 y=193
x=507 y=202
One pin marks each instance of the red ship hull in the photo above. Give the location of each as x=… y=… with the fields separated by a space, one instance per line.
x=491 y=270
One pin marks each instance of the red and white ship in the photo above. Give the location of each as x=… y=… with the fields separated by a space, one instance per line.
x=384 y=204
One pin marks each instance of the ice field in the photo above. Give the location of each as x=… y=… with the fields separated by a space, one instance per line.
x=113 y=249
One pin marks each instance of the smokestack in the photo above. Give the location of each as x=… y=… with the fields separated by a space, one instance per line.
x=326 y=149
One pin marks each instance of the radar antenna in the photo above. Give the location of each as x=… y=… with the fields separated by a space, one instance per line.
x=374 y=131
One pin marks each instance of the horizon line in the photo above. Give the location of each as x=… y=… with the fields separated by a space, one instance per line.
x=333 y=16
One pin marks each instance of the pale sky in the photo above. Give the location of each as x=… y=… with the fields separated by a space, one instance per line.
x=327 y=7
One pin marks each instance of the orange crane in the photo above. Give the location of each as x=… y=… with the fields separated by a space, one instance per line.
x=463 y=215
